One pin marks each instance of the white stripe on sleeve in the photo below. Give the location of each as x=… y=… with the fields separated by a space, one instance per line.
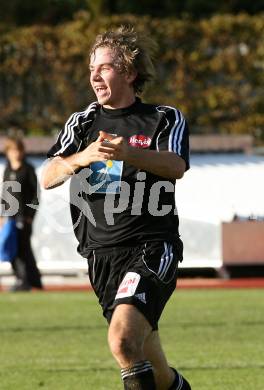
x=176 y=132
x=68 y=132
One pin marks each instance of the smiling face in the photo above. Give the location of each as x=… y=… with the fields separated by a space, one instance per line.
x=113 y=88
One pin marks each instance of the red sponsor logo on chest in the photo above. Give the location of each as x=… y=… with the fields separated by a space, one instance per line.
x=139 y=141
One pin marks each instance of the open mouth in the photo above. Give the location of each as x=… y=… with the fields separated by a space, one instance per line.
x=100 y=90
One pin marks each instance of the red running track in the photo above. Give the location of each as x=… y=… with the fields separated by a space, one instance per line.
x=194 y=283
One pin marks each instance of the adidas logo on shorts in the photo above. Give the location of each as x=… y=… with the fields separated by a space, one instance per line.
x=141 y=297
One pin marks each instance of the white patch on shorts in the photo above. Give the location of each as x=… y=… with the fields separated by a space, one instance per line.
x=128 y=285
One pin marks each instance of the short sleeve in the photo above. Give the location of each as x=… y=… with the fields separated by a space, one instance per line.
x=70 y=137
x=173 y=134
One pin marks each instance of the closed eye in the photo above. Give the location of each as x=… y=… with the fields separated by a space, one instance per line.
x=102 y=68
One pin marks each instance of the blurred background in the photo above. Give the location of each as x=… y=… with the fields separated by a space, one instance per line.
x=210 y=65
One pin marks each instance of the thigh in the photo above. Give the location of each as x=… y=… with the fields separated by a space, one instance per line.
x=21 y=243
x=24 y=235
x=107 y=268
x=149 y=281
x=143 y=277
x=127 y=321
x=24 y=245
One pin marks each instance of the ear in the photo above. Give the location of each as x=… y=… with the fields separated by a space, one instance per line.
x=131 y=76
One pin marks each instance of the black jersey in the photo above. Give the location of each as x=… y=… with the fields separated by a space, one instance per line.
x=112 y=202
x=28 y=194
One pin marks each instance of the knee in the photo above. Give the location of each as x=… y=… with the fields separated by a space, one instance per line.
x=124 y=348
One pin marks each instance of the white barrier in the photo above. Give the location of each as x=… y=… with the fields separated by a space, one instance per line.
x=216 y=187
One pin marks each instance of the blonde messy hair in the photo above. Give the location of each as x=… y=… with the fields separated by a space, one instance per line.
x=133 y=51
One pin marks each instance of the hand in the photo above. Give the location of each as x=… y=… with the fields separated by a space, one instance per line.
x=94 y=152
x=115 y=147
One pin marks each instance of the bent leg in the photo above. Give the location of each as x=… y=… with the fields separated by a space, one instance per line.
x=127 y=333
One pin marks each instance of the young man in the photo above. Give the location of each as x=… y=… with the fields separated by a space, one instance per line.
x=124 y=157
x=20 y=171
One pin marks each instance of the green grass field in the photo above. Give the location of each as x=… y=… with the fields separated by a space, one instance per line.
x=57 y=341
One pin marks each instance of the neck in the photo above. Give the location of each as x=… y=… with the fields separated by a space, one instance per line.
x=123 y=103
x=15 y=164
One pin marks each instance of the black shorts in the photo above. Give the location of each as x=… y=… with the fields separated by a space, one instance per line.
x=144 y=276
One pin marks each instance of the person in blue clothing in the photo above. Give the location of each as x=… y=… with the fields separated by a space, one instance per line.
x=19 y=170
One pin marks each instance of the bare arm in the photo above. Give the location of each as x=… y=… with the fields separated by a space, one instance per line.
x=58 y=169
x=165 y=164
